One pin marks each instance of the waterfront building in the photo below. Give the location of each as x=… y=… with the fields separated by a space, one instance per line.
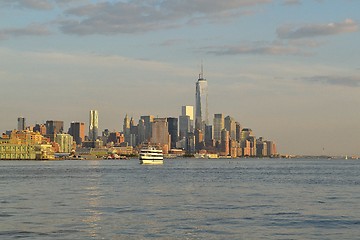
x=173 y=130
x=93 y=125
x=218 y=126
x=230 y=125
x=245 y=134
x=233 y=148
x=160 y=135
x=65 y=142
x=77 y=130
x=225 y=142
x=261 y=148
x=25 y=145
x=21 y=124
x=201 y=101
x=26 y=137
x=271 y=148
x=190 y=143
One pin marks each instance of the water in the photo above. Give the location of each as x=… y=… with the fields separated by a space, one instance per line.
x=182 y=199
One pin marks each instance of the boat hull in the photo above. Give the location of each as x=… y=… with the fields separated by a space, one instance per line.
x=151 y=161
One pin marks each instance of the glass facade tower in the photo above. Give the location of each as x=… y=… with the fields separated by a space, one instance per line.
x=201 y=100
x=93 y=125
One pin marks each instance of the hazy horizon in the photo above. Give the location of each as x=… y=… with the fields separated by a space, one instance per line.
x=287 y=69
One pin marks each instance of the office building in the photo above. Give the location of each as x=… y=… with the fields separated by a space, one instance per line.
x=40 y=128
x=77 y=130
x=184 y=126
x=230 y=125
x=173 y=130
x=225 y=142
x=188 y=111
x=54 y=127
x=201 y=101
x=126 y=128
x=93 y=125
x=65 y=142
x=148 y=120
x=160 y=135
x=21 y=125
x=218 y=126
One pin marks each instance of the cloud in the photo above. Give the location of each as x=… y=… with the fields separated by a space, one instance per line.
x=140 y=15
x=347 y=81
x=315 y=30
x=32 y=4
x=256 y=48
x=31 y=30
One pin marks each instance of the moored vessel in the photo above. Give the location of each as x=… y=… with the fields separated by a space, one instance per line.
x=151 y=155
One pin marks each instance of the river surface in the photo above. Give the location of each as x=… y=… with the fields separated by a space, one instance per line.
x=182 y=199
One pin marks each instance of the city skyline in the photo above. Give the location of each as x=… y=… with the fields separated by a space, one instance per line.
x=286 y=69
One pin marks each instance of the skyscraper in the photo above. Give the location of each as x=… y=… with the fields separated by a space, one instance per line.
x=218 y=126
x=230 y=125
x=54 y=127
x=93 y=125
x=77 y=130
x=201 y=97
x=148 y=126
x=173 y=130
x=188 y=111
x=126 y=129
x=21 y=124
x=160 y=133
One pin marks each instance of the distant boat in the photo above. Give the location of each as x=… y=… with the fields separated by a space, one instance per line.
x=151 y=155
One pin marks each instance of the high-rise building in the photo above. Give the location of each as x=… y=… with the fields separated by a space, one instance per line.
x=141 y=131
x=218 y=126
x=93 y=125
x=238 y=132
x=65 y=142
x=230 y=125
x=188 y=111
x=77 y=130
x=225 y=142
x=148 y=126
x=41 y=128
x=160 y=134
x=126 y=128
x=54 y=127
x=201 y=100
x=184 y=126
x=21 y=124
x=173 y=130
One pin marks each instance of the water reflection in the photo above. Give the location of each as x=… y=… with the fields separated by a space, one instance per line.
x=92 y=197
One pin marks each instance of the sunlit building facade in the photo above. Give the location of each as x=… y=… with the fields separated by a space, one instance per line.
x=93 y=125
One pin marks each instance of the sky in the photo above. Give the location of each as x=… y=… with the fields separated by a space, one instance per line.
x=287 y=69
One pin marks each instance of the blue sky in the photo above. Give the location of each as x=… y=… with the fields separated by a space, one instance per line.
x=288 y=69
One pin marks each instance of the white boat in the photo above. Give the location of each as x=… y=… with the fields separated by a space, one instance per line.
x=151 y=155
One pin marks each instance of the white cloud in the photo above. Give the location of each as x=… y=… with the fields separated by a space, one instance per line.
x=31 y=30
x=140 y=15
x=32 y=4
x=315 y=30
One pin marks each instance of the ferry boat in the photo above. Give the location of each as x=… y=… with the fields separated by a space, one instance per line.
x=151 y=155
